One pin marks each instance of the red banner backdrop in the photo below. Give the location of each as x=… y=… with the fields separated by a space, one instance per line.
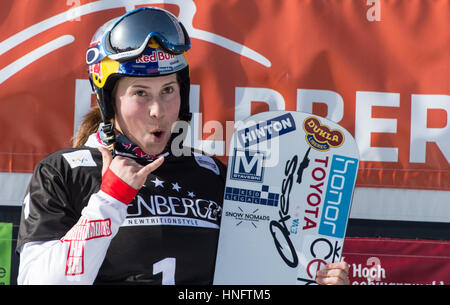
x=379 y=68
x=384 y=261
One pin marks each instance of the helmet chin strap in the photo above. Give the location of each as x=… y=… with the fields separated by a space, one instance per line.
x=120 y=145
x=109 y=136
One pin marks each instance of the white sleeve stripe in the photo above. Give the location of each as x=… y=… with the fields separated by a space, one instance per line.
x=77 y=257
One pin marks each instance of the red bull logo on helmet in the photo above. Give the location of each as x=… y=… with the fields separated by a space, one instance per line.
x=155 y=61
x=155 y=56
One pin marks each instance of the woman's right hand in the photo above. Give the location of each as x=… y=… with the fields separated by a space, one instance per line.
x=128 y=170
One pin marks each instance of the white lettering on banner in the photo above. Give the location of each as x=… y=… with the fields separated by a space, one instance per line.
x=83 y=93
x=365 y=125
x=372 y=272
x=420 y=134
x=335 y=104
x=215 y=143
x=245 y=96
x=359 y=271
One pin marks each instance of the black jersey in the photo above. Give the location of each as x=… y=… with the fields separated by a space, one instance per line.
x=167 y=235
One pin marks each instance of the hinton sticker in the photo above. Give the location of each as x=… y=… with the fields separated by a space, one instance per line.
x=320 y=136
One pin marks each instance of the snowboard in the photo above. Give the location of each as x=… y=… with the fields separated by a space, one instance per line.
x=288 y=194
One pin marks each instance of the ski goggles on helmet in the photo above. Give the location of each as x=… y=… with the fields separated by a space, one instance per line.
x=130 y=34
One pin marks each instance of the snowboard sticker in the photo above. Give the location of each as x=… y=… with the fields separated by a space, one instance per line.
x=288 y=194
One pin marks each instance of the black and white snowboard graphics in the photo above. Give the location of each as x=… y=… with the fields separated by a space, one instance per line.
x=288 y=194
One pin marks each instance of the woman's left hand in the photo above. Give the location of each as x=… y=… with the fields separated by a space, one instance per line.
x=333 y=274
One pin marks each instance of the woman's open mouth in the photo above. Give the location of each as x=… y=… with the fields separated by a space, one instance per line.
x=157 y=133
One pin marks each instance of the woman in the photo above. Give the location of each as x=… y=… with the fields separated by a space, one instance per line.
x=123 y=173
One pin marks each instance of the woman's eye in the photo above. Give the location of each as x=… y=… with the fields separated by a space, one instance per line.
x=167 y=90
x=141 y=93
